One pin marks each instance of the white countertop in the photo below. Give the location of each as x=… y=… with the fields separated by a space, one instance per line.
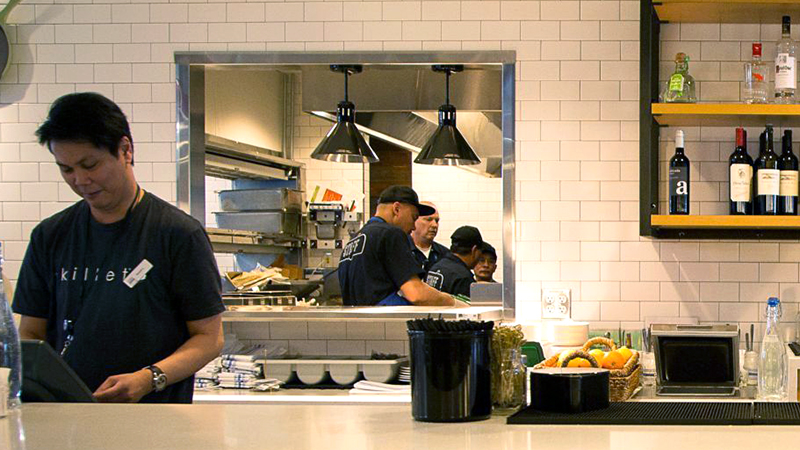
x=346 y=427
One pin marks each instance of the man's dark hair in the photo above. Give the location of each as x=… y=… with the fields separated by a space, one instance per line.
x=85 y=117
x=488 y=250
x=460 y=249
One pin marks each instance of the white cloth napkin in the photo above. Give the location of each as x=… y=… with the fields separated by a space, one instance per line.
x=374 y=387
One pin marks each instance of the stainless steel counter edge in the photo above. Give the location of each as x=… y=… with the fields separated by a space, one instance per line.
x=373 y=313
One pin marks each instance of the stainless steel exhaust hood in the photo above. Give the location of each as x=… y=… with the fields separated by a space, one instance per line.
x=399 y=104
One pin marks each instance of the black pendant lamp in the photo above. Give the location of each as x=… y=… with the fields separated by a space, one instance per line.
x=447 y=147
x=344 y=143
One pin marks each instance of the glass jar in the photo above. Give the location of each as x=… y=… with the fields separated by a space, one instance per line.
x=508 y=388
x=648 y=362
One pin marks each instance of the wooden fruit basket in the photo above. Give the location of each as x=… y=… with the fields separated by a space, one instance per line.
x=621 y=382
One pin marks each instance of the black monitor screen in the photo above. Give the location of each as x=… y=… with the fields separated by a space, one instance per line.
x=47 y=378
x=696 y=360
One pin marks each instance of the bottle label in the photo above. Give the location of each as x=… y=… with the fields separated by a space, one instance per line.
x=788 y=183
x=741 y=182
x=785 y=71
x=676 y=83
x=769 y=181
x=678 y=181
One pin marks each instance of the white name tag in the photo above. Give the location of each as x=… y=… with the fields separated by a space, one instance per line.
x=138 y=273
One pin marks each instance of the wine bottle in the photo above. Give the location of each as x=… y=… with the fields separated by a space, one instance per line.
x=768 y=176
x=741 y=177
x=787 y=164
x=679 y=178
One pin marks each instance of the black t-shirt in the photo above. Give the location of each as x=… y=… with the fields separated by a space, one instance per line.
x=437 y=252
x=375 y=263
x=451 y=275
x=74 y=268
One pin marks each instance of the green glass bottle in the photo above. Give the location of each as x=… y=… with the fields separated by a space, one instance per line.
x=680 y=86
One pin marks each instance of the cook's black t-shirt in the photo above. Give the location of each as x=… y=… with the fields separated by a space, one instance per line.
x=451 y=275
x=437 y=252
x=74 y=268
x=375 y=263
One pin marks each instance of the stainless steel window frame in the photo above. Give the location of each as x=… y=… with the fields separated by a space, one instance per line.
x=190 y=131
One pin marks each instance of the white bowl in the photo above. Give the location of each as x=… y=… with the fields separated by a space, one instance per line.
x=382 y=373
x=344 y=374
x=279 y=371
x=311 y=373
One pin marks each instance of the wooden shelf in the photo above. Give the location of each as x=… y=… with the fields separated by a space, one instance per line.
x=725 y=114
x=727 y=222
x=727 y=11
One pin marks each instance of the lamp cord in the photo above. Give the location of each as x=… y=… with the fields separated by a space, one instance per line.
x=447 y=87
x=346 y=73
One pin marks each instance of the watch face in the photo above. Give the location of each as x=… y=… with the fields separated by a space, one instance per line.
x=159 y=379
x=161 y=382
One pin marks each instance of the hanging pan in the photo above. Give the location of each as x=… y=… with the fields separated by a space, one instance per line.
x=5 y=46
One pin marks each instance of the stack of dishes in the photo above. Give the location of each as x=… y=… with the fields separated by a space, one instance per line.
x=405 y=374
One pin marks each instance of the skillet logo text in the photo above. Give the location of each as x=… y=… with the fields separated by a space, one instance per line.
x=86 y=274
x=354 y=248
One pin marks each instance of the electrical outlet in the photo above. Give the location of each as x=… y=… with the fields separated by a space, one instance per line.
x=556 y=303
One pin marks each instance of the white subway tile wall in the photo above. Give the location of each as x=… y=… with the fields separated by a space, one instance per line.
x=577 y=133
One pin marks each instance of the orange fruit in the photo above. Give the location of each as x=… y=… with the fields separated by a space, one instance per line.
x=599 y=356
x=625 y=352
x=579 y=362
x=613 y=360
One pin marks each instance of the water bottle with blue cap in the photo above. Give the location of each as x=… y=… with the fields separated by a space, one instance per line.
x=772 y=361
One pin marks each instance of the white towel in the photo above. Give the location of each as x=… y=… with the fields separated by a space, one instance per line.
x=242 y=358
x=374 y=387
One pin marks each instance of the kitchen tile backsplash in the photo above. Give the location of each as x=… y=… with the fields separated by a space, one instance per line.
x=576 y=129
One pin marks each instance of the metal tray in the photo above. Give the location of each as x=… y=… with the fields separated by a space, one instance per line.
x=272 y=223
x=261 y=200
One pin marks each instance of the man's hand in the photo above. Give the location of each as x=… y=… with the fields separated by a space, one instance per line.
x=460 y=304
x=125 y=388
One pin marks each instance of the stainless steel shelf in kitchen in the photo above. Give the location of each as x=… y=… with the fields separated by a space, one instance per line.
x=367 y=313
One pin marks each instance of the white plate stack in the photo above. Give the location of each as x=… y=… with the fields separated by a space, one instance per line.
x=405 y=374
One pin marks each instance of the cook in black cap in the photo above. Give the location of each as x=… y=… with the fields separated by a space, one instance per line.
x=453 y=273
x=487 y=264
x=377 y=266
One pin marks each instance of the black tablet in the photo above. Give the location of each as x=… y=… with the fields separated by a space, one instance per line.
x=46 y=377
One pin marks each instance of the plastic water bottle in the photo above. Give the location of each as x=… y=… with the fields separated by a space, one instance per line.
x=10 y=356
x=772 y=361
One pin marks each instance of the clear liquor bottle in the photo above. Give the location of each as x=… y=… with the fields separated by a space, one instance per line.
x=755 y=78
x=785 y=65
x=681 y=86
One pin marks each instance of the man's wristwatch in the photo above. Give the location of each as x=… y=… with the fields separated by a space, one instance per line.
x=159 y=380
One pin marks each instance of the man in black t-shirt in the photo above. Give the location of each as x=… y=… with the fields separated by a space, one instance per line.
x=453 y=273
x=426 y=250
x=123 y=284
x=377 y=266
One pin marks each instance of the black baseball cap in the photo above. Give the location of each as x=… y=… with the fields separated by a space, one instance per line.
x=404 y=194
x=466 y=236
